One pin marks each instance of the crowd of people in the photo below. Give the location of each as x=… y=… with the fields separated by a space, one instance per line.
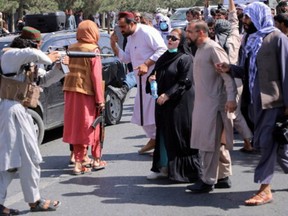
x=226 y=69
x=209 y=94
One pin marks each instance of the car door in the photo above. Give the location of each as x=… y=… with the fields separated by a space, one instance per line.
x=52 y=99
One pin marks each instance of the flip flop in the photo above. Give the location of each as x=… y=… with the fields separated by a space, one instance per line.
x=71 y=164
x=99 y=166
x=84 y=170
x=44 y=205
x=260 y=198
x=87 y=164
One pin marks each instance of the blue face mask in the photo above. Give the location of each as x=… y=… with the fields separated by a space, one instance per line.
x=163 y=26
x=174 y=50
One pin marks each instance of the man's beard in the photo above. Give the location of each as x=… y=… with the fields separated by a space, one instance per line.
x=190 y=42
x=211 y=36
x=240 y=16
x=127 y=33
x=251 y=28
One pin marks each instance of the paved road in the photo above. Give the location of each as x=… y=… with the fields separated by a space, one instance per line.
x=122 y=189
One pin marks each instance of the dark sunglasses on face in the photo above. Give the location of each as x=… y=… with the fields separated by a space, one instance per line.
x=172 y=37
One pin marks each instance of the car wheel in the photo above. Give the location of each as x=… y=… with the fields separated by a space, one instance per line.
x=38 y=125
x=113 y=108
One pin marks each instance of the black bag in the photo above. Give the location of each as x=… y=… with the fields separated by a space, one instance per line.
x=280 y=132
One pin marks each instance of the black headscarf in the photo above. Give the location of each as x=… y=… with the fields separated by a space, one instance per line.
x=168 y=57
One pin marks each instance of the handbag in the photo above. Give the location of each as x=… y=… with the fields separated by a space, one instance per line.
x=26 y=92
x=280 y=132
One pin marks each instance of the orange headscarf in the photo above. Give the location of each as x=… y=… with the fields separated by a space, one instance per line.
x=88 y=32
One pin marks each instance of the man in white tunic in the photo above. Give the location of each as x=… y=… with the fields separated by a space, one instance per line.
x=210 y=105
x=18 y=139
x=144 y=46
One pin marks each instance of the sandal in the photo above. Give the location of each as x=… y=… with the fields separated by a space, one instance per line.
x=260 y=198
x=8 y=212
x=83 y=170
x=71 y=163
x=99 y=165
x=44 y=205
x=87 y=164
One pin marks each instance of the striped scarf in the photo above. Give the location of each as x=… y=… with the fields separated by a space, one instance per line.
x=260 y=15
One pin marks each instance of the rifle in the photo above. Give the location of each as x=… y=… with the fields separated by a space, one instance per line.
x=101 y=120
x=75 y=54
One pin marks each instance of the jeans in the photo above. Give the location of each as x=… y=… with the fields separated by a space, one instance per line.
x=130 y=80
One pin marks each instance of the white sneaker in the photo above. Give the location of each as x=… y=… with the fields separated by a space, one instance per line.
x=158 y=175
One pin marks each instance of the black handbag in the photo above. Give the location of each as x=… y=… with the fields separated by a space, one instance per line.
x=280 y=132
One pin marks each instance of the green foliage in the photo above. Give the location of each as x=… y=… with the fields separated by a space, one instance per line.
x=181 y=3
x=71 y=4
x=93 y=6
x=39 y=6
x=6 y=5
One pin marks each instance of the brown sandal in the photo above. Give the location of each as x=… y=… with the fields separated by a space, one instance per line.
x=88 y=163
x=99 y=165
x=260 y=198
x=83 y=170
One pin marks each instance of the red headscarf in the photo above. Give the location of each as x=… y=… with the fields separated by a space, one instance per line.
x=88 y=32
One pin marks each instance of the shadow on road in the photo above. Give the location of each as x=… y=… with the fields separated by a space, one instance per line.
x=138 y=190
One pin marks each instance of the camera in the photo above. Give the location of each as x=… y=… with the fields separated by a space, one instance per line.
x=32 y=44
x=280 y=132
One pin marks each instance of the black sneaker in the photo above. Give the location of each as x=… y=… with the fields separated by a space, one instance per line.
x=200 y=187
x=120 y=92
x=223 y=183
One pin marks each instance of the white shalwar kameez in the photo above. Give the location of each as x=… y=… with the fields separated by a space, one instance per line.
x=18 y=138
x=145 y=43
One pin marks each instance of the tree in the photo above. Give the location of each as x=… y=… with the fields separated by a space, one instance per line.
x=6 y=6
x=39 y=6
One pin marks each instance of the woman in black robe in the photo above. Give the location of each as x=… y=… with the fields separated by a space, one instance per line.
x=173 y=72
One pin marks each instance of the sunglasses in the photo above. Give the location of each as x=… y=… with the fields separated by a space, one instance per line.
x=172 y=37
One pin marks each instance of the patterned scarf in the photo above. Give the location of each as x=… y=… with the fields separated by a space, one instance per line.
x=260 y=15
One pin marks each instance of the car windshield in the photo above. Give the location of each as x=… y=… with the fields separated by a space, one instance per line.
x=179 y=15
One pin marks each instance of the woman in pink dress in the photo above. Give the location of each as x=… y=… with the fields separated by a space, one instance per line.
x=84 y=98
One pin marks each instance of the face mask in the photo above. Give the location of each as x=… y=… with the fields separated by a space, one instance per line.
x=173 y=50
x=163 y=26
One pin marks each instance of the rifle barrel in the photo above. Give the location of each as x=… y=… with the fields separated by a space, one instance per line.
x=79 y=54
